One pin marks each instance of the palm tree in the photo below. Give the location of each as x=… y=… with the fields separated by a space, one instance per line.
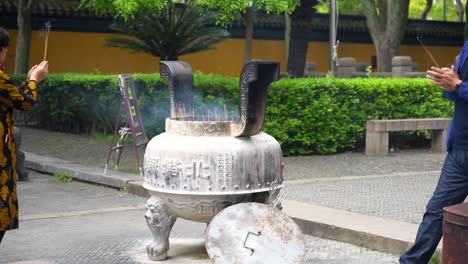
x=175 y=31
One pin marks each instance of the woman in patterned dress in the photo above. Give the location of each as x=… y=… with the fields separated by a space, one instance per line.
x=12 y=97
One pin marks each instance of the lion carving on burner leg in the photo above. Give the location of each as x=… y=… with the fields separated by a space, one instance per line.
x=160 y=220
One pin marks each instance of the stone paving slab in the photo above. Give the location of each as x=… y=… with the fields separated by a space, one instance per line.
x=43 y=195
x=325 y=222
x=385 y=195
x=357 y=164
x=110 y=235
x=377 y=233
x=400 y=198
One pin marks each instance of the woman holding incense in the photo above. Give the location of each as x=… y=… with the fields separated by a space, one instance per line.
x=12 y=97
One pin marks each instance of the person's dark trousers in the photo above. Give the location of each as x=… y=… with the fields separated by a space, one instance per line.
x=2 y=233
x=451 y=189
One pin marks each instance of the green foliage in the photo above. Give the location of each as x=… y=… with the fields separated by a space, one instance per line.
x=124 y=8
x=226 y=10
x=354 y=7
x=435 y=260
x=306 y=115
x=62 y=176
x=349 y=7
x=328 y=115
x=173 y=32
x=437 y=10
x=369 y=70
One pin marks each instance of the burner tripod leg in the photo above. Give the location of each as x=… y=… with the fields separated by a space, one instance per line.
x=160 y=220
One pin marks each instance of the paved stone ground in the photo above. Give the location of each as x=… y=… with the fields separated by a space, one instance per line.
x=398 y=197
x=83 y=223
x=85 y=150
x=357 y=164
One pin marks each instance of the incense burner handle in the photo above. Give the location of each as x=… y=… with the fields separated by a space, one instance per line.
x=180 y=78
x=254 y=81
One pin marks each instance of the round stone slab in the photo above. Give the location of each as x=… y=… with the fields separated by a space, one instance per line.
x=254 y=233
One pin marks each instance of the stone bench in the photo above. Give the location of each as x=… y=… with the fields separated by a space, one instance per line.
x=377 y=132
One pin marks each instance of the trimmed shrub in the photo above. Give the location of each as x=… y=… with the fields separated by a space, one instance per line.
x=328 y=115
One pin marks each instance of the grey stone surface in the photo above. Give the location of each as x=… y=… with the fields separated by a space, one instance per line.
x=332 y=252
x=98 y=230
x=82 y=172
x=346 y=165
x=346 y=67
x=310 y=68
x=401 y=65
x=377 y=132
x=415 y=74
x=43 y=195
x=401 y=198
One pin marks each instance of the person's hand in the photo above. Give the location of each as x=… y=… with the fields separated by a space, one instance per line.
x=31 y=70
x=445 y=77
x=40 y=72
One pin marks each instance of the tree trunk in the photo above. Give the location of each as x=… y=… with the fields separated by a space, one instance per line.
x=386 y=49
x=426 y=10
x=24 y=36
x=287 y=34
x=387 y=28
x=249 y=26
x=460 y=10
x=301 y=20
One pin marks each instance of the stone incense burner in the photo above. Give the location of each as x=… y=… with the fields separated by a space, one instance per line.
x=202 y=165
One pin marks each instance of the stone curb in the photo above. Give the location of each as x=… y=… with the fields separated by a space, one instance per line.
x=372 y=232
x=375 y=233
x=90 y=174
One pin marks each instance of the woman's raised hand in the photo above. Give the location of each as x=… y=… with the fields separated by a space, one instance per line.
x=39 y=72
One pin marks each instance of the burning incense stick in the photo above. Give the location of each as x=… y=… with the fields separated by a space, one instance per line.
x=46 y=39
x=225 y=113
x=427 y=51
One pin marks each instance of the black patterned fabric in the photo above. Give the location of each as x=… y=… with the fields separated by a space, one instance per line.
x=12 y=97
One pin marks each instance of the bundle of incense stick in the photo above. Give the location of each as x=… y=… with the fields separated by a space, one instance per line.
x=180 y=113
x=47 y=26
x=206 y=114
x=225 y=113
x=427 y=51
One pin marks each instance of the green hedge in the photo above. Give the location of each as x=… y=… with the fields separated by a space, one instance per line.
x=83 y=103
x=326 y=115
x=308 y=115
